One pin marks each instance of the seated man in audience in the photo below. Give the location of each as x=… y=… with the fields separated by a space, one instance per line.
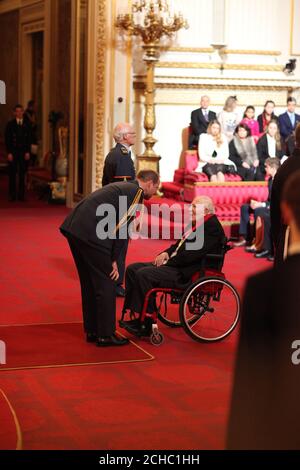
x=256 y=207
x=176 y=265
x=200 y=118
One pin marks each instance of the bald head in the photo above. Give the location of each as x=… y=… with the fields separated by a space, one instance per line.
x=204 y=102
x=206 y=202
x=201 y=206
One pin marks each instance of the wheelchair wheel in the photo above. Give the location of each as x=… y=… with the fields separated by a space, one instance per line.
x=156 y=338
x=210 y=309
x=168 y=309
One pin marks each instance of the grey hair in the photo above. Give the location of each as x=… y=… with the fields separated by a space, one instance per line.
x=207 y=203
x=120 y=130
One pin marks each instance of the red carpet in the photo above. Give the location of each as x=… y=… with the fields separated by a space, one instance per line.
x=178 y=401
x=59 y=344
x=10 y=433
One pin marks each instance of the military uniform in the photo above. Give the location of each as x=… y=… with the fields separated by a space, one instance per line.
x=118 y=163
x=18 y=142
x=94 y=256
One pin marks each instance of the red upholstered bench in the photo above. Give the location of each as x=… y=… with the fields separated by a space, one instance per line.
x=227 y=197
x=174 y=189
x=191 y=163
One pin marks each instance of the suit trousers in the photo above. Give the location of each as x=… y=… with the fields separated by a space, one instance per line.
x=264 y=213
x=121 y=263
x=98 y=290
x=141 y=277
x=17 y=167
x=245 y=219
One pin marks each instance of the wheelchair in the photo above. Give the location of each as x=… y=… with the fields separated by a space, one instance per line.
x=207 y=307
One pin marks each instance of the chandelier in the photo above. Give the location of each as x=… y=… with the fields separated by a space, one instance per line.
x=151 y=21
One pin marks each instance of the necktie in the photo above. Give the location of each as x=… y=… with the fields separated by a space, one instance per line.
x=206 y=115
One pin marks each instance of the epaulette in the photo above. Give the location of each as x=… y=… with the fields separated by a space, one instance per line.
x=124 y=151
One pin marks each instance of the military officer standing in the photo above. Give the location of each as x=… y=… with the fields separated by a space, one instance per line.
x=18 y=143
x=96 y=242
x=119 y=166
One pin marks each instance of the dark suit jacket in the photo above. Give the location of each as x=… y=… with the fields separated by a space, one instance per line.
x=199 y=123
x=263 y=153
x=82 y=222
x=265 y=411
x=261 y=124
x=291 y=165
x=285 y=125
x=118 y=163
x=189 y=261
x=18 y=139
x=270 y=184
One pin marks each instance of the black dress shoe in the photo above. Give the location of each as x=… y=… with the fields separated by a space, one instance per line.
x=262 y=254
x=133 y=323
x=120 y=291
x=112 y=340
x=271 y=258
x=91 y=337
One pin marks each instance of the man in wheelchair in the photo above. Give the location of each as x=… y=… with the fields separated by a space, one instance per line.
x=174 y=267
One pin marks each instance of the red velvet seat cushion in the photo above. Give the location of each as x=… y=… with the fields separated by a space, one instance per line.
x=179 y=176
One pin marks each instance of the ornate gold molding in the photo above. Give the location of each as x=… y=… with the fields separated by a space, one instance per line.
x=252 y=79
x=112 y=70
x=226 y=51
x=100 y=90
x=212 y=86
x=128 y=72
x=204 y=65
x=251 y=52
x=180 y=77
x=203 y=50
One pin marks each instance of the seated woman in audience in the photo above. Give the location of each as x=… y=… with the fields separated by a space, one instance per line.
x=267 y=116
x=269 y=145
x=250 y=121
x=214 y=153
x=242 y=151
x=229 y=117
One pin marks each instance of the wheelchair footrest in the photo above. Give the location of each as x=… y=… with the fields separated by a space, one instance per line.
x=136 y=328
